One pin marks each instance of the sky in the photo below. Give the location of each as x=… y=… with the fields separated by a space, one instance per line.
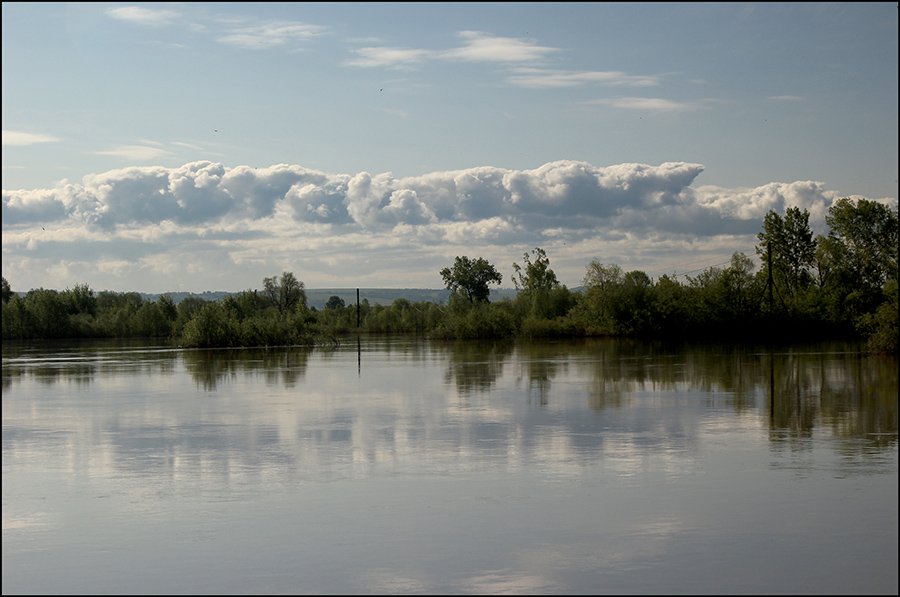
x=202 y=147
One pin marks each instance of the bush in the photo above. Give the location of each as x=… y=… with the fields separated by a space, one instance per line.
x=479 y=321
x=881 y=326
x=560 y=327
x=210 y=328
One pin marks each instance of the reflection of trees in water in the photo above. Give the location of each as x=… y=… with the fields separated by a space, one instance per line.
x=49 y=374
x=286 y=366
x=538 y=362
x=868 y=406
x=833 y=388
x=475 y=366
x=729 y=369
x=794 y=392
x=80 y=361
x=853 y=395
x=834 y=385
x=617 y=368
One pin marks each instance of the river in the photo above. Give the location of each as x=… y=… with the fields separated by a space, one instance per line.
x=403 y=465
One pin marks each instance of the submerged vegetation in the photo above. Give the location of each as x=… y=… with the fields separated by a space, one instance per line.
x=840 y=285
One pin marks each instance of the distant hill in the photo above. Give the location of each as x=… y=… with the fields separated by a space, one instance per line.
x=180 y=296
x=317 y=297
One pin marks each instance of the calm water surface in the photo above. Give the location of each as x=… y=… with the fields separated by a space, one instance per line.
x=401 y=465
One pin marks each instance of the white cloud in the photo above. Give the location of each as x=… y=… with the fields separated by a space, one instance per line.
x=140 y=153
x=44 y=205
x=477 y=47
x=653 y=104
x=388 y=57
x=378 y=229
x=787 y=98
x=481 y=47
x=271 y=34
x=566 y=194
x=187 y=145
x=20 y=138
x=143 y=16
x=753 y=204
x=545 y=78
x=238 y=31
x=523 y=58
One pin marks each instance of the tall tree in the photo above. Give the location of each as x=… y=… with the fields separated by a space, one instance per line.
x=604 y=277
x=793 y=248
x=863 y=237
x=536 y=275
x=470 y=278
x=535 y=281
x=286 y=294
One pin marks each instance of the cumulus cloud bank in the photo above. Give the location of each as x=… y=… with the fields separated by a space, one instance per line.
x=564 y=194
x=205 y=225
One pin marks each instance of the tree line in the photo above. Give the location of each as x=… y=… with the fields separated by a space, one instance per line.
x=843 y=284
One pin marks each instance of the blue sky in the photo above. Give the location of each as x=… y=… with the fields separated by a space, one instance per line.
x=190 y=147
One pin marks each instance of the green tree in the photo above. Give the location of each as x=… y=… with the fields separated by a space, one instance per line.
x=188 y=308
x=335 y=302
x=673 y=309
x=50 y=313
x=6 y=291
x=167 y=307
x=632 y=303
x=150 y=321
x=881 y=327
x=856 y=259
x=210 y=327
x=470 y=278
x=535 y=281
x=81 y=299
x=598 y=275
x=286 y=294
x=793 y=251
x=18 y=321
x=864 y=240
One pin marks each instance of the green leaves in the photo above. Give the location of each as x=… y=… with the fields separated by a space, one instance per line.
x=286 y=294
x=471 y=278
x=863 y=237
x=793 y=251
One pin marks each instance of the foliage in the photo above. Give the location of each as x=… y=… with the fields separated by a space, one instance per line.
x=5 y=289
x=334 y=302
x=286 y=294
x=479 y=320
x=536 y=281
x=881 y=326
x=602 y=276
x=470 y=278
x=864 y=241
x=793 y=251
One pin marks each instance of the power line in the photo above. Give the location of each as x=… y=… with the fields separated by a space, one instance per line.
x=703 y=268
x=677 y=273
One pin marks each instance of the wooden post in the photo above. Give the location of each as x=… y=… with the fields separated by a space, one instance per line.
x=357 y=308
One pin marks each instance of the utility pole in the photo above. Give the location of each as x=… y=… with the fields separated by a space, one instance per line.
x=357 y=308
x=769 y=283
